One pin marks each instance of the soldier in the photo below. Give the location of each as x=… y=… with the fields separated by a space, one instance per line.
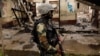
x=43 y=32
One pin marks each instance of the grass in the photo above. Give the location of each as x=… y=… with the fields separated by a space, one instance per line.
x=0 y=52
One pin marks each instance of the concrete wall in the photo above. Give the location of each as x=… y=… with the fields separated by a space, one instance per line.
x=65 y=15
x=84 y=11
x=71 y=18
x=7 y=14
x=8 y=4
x=82 y=7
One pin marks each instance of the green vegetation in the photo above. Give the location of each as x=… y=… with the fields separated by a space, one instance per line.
x=0 y=52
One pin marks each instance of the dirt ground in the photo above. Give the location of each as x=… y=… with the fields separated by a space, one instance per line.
x=87 y=45
x=19 y=42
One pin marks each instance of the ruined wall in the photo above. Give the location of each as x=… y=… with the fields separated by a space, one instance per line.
x=64 y=13
x=82 y=7
x=7 y=14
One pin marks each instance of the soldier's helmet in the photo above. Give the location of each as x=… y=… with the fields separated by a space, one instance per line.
x=45 y=8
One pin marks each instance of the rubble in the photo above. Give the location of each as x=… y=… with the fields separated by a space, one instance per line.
x=71 y=42
x=81 y=39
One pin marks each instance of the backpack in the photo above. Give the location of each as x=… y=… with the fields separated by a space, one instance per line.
x=51 y=35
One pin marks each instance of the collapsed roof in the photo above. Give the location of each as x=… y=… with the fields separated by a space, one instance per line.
x=94 y=3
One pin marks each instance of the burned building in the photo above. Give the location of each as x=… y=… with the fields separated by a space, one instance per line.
x=71 y=15
x=79 y=12
x=92 y=11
